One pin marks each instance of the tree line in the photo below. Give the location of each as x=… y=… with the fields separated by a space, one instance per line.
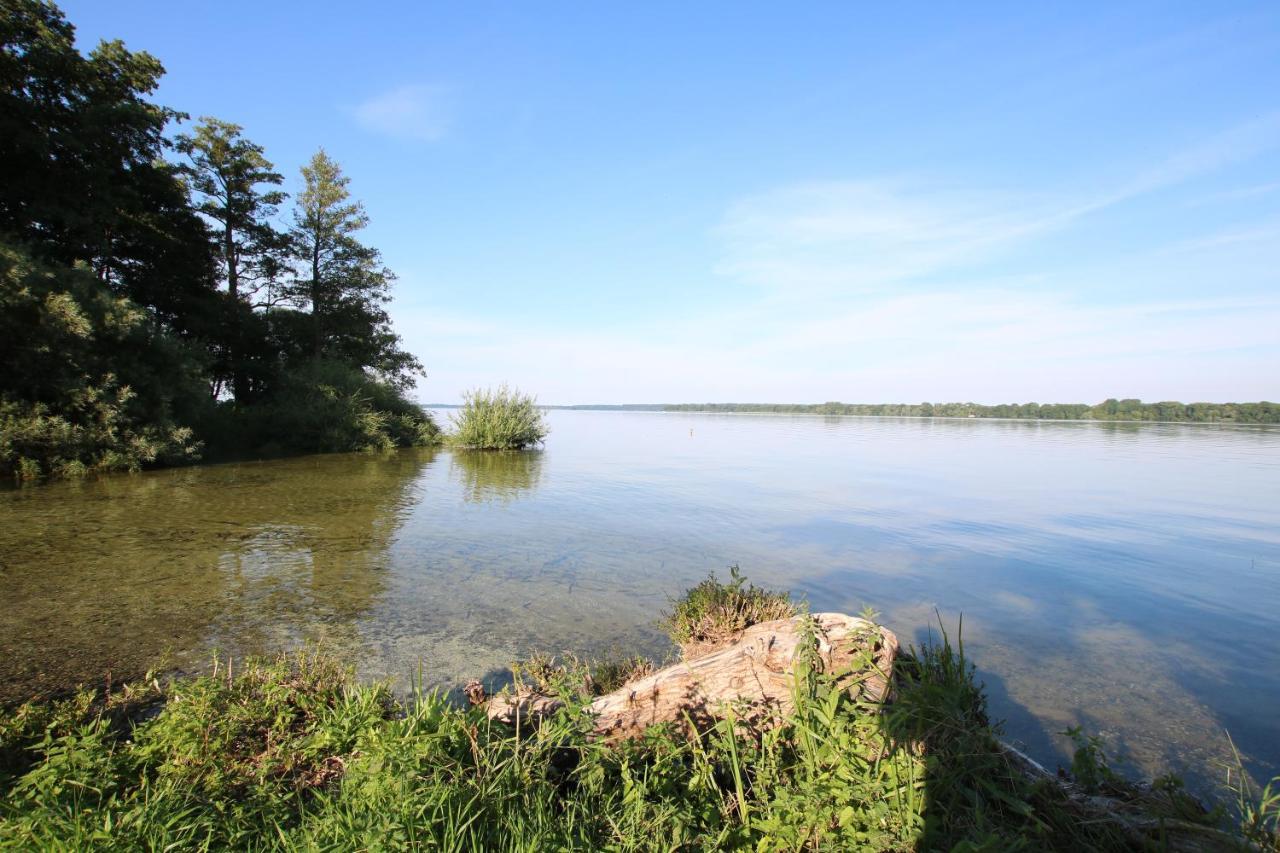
x=162 y=296
x=1108 y=410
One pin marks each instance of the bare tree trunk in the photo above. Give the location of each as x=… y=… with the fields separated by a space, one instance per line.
x=229 y=252
x=754 y=674
x=235 y=344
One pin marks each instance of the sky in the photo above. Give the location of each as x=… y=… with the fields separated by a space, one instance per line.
x=779 y=202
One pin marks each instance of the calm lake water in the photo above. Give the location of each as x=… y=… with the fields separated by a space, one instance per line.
x=1121 y=577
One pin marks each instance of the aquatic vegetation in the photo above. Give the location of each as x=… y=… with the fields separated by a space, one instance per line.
x=711 y=612
x=499 y=418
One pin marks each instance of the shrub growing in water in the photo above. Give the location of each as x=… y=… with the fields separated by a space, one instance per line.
x=498 y=419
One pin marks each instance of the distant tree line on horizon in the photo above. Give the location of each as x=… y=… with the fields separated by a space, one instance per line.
x=1108 y=410
x=158 y=301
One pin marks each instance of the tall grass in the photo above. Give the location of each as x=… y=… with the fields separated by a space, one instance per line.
x=1258 y=809
x=498 y=419
x=294 y=754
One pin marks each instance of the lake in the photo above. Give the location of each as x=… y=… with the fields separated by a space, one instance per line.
x=1122 y=577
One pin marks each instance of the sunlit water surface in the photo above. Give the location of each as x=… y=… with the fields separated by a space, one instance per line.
x=1121 y=577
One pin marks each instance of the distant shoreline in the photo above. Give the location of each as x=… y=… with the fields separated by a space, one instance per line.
x=1109 y=411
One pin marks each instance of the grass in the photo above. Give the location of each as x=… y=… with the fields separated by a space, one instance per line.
x=498 y=419
x=294 y=754
x=712 y=612
x=1258 y=808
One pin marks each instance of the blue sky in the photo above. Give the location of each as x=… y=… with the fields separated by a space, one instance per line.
x=783 y=202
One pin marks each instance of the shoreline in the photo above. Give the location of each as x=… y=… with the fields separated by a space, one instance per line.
x=984 y=418
x=658 y=410
x=278 y=752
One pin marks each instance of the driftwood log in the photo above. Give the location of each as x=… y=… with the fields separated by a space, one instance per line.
x=752 y=675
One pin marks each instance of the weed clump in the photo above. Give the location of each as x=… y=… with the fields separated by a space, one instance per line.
x=712 y=613
x=498 y=419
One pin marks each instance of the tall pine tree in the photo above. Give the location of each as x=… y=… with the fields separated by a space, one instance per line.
x=342 y=281
x=235 y=184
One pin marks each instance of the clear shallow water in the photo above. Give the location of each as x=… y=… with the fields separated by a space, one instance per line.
x=1124 y=577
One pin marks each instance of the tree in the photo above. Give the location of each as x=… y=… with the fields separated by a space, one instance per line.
x=72 y=130
x=228 y=172
x=84 y=180
x=234 y=180
x=342 y=281
x=88 y=385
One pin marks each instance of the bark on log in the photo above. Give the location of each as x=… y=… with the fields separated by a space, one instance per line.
x=753 y=674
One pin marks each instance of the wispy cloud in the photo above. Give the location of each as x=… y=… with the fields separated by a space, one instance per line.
x=888 y=289
x=418 y=112
x=866 y=235
x=1238 y=194
x=863 y=235
x=1232 y=145
x=1267 y=232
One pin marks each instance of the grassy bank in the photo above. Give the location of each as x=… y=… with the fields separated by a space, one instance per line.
x=294 y=753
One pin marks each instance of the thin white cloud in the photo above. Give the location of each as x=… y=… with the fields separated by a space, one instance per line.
x=1238 y=194
x=1233 y=145
x=885 y=290
x=418 y=112
x=864 y=236
x=1267 y=233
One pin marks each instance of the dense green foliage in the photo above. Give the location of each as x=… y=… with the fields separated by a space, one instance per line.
x=88 y=384
x=293 y=754
x=1109 y=410
x=324 y=406
x=498 y=419
x=151 y=310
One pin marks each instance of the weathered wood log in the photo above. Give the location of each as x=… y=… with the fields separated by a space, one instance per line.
x=753 y=674
x=1142 y=815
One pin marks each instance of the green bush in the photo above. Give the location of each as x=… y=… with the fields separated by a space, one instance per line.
x=95 y=434
x=498 y=419
x=87 y=384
